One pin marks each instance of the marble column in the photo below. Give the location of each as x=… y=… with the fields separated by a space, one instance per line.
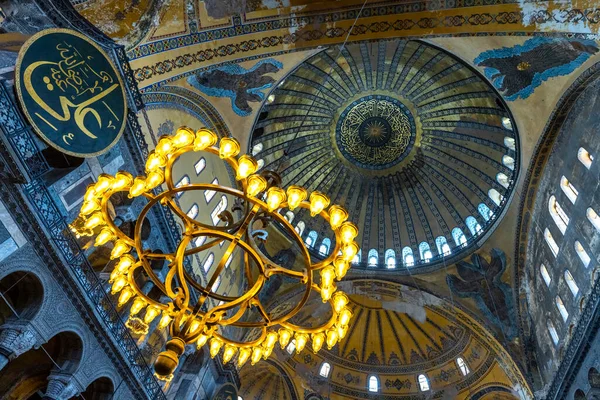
x=61 y=386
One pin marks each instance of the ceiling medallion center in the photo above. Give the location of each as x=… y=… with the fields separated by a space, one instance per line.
x=375 y=132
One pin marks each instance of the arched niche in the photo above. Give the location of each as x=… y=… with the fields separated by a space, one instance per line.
x=60 y=163
x=23 y=295
x=594 y=378
x=100 y=389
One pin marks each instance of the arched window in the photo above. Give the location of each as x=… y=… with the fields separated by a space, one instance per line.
x=473 y=225
x=372 y=258
x=257 y=149
x=442 y=245
x=373 y=384
x=300 y=227
x=459 y=237
x=311 y=239
x=291 y=347
x=583 y=255
x=558 y=214
x=509 y=143
x=551 y=242
x=509 y=162
x=569 y=189
x=185 y=180
x=193 y=211
x=289 y=216
x=485 y=211
x=229 y=260
x=423 y=383
x=216 y=285
x=545 y=275
x=507 y=123
x=199 y=241
x=571 y=283
x=357 y=257
x=325 y=245
x=325 y=369
x=495 y=196
x=425 y=251
x=462 y=365
x=200 y=165
x=407 y=257
x=260 y=163
x=390 y=258
x=585 y=157
x=552 y=332
x=209 y=194
x=208 y=262
x=219 y=209
x=562 y=309
x=503 y=179
x=593 y=218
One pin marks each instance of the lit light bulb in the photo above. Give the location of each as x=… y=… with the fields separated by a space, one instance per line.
x=229 y=147
x=275 y=196
x=96 y=219
x=137 y=306
x=183 y=137
x=119 y=284
x=104 y=183
x=327 y=276
x=318 y=202
x=256 y=184
x=195 y=326
x=332 y=338
x=90 y=193
x=317 y=341
x=164 y=321
x=125 y=262
x=90 y=206
x=301 y=339
x=138 y=187
x=342 y=330
x=228 y=353
x=257 y=353
x=104 y=236
x=246 y=167
x=164 y=146
x=154 y=179
x=155 y=161
x=337 y=215
x=122 y=181
x=345 y=316
x=326 y=292
x=151 y=313
x=284 y=337
x=215 y=347
x=271 y=340
x=243 y=356
x=119 y=249
x=202 y=339
x=296 y=195
x=349 y=251
x=340 y=300
x=204 y=139
x=125 y=296
x=267 y=352
x=348 y=231
x=341 y=267
x=113 y=275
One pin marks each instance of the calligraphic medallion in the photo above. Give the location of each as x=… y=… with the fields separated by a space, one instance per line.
x=71 y=93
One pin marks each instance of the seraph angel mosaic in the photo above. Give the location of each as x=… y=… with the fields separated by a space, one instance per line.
x=241 y=85
x=516 y=71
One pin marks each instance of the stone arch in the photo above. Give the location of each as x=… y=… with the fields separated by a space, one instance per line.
x=579 y=395
x=594 y=378
x=100 y=389
x=23 y=295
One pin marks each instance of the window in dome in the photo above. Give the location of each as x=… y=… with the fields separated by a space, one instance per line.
x=553 y=333
x=193 y=211
x=257 y=149
x=562 y=309
x=509 y=162
x=462 y=365
x=583 y=255
x=218 y=209
x=507 y=123
x=311 y=239
x=551 y=242
x=216 y=285
x=373 y=258
x=425 y=251
x=407 y=257
x=459 y=237
x=325 y=369
x=495 y=196
x=571 y=283
x=289 y=216
x=442 y=246
x=300 y=227
x=423 y=383
x=185 y=180
x=325 y=245
x=199 y=241
x=503 y=179
x=229 y=260
x=291 y=347
x=545 y=275
x=357 y=257
x=390 y=258
x=208 y=262
x=373 y=384
x=569 y=189
x=473 y=225
x=558 y=214
x=509 y=143
x=200 y=165
x=485 y=211
x=240 y=398
x=585 y=157
x=593 y=218
x=209 y=194
x=260 y=163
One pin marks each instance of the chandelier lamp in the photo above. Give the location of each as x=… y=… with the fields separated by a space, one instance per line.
x=184 y=307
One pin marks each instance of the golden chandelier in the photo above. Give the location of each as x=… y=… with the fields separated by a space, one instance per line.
x=191 y=318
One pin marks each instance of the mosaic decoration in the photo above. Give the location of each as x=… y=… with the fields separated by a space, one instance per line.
x=481 y=281
x=516 y=71
x=239 y=84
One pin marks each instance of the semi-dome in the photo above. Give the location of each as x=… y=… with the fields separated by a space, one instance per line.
x=416 y=145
